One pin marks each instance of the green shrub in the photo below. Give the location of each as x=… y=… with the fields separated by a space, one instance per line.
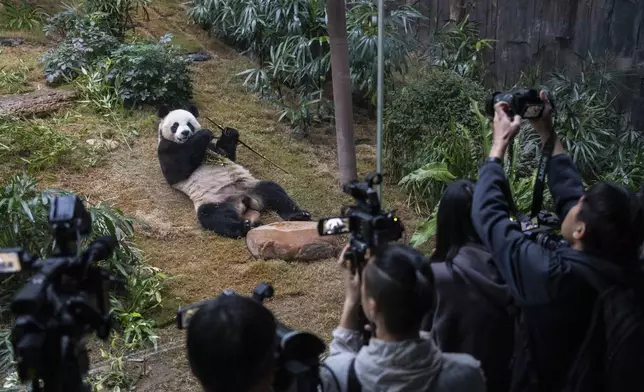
x=119 y=13
x=433 y=108
x=64 y=22
x=86 y=44
x=151 y=73
x=20 y=15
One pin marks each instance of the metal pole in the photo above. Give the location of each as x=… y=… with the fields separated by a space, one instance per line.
x=381 y=63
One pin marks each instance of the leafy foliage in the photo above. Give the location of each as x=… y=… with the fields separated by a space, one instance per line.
x=64 y=22
x=112 y=73
x=82 y=47
x=14 y=80
x=150 y=73
x=20 y=15
x=119 y=13
x=290 y=41
x=27 y=145
x=457 y=47
x=25 y=209
x=425 y=120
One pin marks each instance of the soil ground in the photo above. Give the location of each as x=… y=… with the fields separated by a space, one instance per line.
x=307 y=295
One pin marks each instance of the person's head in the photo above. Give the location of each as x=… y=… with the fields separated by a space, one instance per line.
x=231 y=345
x=454 y=227
x=608 y=222
x=397 y=291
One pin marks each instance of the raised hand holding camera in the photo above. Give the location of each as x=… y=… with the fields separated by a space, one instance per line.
x=504 y=129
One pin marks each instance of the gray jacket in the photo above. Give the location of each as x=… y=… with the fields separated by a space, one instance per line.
x=413 y=365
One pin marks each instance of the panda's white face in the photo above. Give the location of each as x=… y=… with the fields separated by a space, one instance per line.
x=178 y=126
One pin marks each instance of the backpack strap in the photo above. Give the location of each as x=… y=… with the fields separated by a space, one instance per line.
x=353 y=384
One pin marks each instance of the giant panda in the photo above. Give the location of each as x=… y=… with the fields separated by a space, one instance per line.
x=227 y=198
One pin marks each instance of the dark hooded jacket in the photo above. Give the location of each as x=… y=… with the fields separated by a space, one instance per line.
x=555 y=303
x=473 y=313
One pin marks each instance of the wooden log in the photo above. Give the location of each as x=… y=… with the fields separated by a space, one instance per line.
x=34 y=103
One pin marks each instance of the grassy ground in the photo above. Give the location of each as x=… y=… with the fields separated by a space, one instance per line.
x=130 y=178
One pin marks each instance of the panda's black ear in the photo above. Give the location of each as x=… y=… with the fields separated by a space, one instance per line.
x=194 y=110
x=163 y=111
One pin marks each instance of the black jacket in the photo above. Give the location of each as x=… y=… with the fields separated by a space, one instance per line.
x=471 y=313
x=556 y=305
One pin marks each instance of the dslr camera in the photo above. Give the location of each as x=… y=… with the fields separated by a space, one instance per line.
x=543 y=230
x=298 y=352
x=66 y=298
x=368 y=225
x=523 y=101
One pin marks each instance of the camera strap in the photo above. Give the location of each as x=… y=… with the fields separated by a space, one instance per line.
x=539 y=182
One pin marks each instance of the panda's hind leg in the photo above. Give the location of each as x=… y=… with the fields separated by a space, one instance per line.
x=268 y=195
x=224 y=219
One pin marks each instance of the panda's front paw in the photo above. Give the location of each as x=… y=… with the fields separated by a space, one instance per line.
x=230 y=133
x=300 y=216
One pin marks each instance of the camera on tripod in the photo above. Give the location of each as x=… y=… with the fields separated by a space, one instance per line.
x=298 y=353
x=64 y=300
x=368 y=225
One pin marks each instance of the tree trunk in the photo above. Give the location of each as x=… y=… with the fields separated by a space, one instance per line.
x=342 y=103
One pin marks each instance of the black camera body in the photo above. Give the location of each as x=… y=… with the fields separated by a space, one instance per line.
x=523 y=101
x=66 y=299
x=543 y=231
x=368 y=225
x=298 y=352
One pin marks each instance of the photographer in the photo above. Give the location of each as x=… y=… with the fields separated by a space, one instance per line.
x=471 y=313
x=231 y=345
x=396 y=292
x=604 y=228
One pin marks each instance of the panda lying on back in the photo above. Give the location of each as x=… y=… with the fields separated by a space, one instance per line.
x=227 y=198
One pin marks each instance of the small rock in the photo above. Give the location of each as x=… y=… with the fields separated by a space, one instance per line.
x=91 y=142
x=291 y=241
x=199 y=56
x=111 y=145
x=4 y=41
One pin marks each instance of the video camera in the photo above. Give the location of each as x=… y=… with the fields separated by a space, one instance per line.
x=298 y=352
x=369 y=226
x=66 y=299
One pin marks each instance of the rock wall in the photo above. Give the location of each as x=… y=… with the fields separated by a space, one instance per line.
x=551 y=34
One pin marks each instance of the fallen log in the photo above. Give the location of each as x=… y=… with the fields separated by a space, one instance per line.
x=35 y=103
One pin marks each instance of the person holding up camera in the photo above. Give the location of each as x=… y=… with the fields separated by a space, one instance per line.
x=231 y=345
x=473 y=311
x=571 y=298
x=396 y=292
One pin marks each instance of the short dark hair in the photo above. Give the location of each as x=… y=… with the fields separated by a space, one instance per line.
x=614 y=219
x=231 y=343
x=454 y=227
x=401 y=282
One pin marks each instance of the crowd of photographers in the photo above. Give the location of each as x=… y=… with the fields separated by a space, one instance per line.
x=491 y=309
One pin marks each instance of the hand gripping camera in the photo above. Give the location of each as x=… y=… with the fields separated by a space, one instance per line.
x=523 y=101
x=66 y=299
x=298 y=352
